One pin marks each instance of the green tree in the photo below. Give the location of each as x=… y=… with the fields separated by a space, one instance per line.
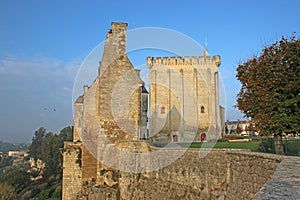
x=66 y=133
x=51 y=154
x=270 y=88
x=18 y=178
x=35 y=149
x=7 y=192
x=5 y=161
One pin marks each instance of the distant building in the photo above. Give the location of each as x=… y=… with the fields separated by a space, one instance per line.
x=243 y=127
x=19 y=160
x=13 y=153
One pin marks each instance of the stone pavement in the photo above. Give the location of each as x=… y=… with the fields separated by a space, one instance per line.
x=285 y=183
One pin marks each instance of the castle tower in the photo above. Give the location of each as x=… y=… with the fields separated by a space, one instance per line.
x=184 y=98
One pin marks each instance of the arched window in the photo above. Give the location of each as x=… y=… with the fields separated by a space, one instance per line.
x=203 y=137
x=202 y=109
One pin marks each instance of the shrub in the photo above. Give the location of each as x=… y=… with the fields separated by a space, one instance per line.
x=292 y=147
x=267 y=145
x=233 y=137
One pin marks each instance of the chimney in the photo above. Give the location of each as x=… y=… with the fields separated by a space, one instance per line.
x=115 y=44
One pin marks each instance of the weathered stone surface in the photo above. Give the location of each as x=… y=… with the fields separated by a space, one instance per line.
x=184 y=98
x=221 y=174
x=72 y=174
x=107 y=161
x=110 y=109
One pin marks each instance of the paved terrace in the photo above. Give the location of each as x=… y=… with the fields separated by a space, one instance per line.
x=285 y=183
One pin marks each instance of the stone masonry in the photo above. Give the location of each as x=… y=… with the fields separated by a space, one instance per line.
x=111 y=156
x=114 y=107
x=184 y=98
x=221 y=174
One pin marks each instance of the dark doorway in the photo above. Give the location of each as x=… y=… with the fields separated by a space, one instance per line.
x=175 y=138
x=203 y=137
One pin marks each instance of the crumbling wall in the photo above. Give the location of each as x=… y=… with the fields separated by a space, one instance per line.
x=72 y=174
x=120 y=100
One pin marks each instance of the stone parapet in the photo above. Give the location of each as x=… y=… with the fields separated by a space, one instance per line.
x=186 y=60
x=285 y=183
x=197 y=174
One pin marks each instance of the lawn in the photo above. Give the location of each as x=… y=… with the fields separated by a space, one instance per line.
x=228 y=145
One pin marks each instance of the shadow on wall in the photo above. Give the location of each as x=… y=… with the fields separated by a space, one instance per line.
x=171 y=127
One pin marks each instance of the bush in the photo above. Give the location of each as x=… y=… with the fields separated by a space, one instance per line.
x=18 y=178
x=42 y=195
x=267 y=145
x=233 y=137
x=35 y=191
x=57 y=193
x=7 y=191
x=292 y=147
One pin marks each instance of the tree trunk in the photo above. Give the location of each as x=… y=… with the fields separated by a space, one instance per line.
x=278 y=145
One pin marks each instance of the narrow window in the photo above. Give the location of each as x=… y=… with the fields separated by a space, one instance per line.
x=163 y=110
x=175 y=138
x=202 y=109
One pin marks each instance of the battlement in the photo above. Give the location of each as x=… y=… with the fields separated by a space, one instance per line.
x=186 y=60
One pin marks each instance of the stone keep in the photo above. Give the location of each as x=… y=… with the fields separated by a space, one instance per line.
x=184 y=98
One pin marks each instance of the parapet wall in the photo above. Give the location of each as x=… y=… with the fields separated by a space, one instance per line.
x=186 y=60
x=228 y=174
x=198 y=174
x=247 y=172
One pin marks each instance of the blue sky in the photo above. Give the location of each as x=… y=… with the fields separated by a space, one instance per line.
x=43 y=44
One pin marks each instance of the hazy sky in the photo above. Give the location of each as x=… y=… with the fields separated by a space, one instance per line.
x=43 y=43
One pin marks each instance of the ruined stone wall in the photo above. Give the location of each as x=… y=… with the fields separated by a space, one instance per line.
x=120 y=100
x=78 y=117
x=110 y=108
x=196 y=174
x=89 y=165
x=115 y=45
x=72 y=174
x=90 y=131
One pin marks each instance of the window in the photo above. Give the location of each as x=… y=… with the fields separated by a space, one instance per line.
x=202 y=109
x=175 y=138
x=163 y=110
